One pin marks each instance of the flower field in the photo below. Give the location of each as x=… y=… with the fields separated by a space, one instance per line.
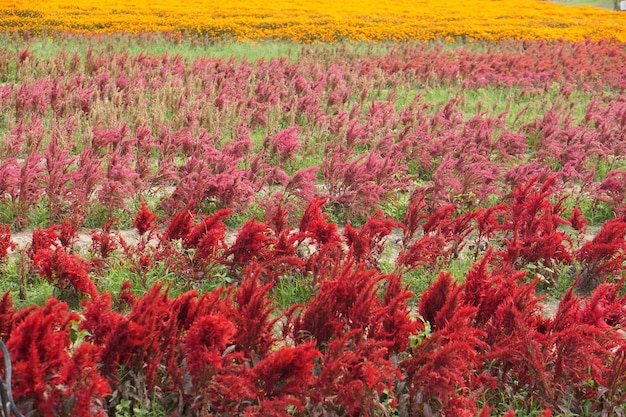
x=337 y=229
x=320 y=20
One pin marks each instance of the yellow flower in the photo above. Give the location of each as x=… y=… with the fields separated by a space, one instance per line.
x=327 y=20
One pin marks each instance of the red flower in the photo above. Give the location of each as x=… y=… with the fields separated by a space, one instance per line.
x=288 y=371
x=206 y=341
x=578 y=221
x=144 y=221
x=180 y=225
x=65 y=270
x=5 y=241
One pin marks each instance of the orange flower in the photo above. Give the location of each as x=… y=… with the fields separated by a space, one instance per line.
x=323 y=20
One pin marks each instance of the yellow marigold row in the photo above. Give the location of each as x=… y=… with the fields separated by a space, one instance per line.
x=326 y=20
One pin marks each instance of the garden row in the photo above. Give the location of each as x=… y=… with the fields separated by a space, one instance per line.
x=84 y=134
x=325 y=20
x=354 y=346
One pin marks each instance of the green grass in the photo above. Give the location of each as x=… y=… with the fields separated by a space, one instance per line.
x=37 y=290
x=602 y=4
x=47 y=47
x=513 y=101
x=292 y=290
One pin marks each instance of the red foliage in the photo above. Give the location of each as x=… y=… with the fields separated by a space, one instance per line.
x=65 y=271
x=353 y=348
x=252 y=243
x=144 y=220
x=87 y=178
x=180 y=224
x=424 y=252
x=359 y=182
x=603 y=256
x=84 y=382
x=395 y=324
x=287 y=372
x=487 y=226
x=140 y=340
x=127 y=298
x=367 y=242
x=443 y=234
x=353 y=376
x=415 y=214
x=205 y=342
x=578 y=353
x=345 y=300
x=302 y=183
x=532 y=227
x=208 y=236
x=104 y=242
x=30 y=186
x=322 y=237
x=47 y=376
x=58 y=164
x=551 y=359
x=5 y=242
x=211 y=175
x=316 y=225
x=440 y=372
x=67 y=234
x=43 y=239
x=578 y=221
x=435 y=302
x=253 y=315
x=99 y=319
x=284 y=144
x=6 y=315
x=613 y=190
x=120 y=180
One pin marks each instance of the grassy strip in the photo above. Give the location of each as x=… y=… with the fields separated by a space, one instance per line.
x=602 y=4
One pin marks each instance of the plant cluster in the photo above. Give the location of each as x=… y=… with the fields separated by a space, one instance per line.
x=355 y=347
x=84 y=135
